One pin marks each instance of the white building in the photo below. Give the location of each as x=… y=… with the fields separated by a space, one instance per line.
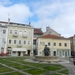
x=3 y=37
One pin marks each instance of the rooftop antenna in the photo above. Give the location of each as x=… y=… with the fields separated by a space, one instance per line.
x=29 y=20
x=42 y=23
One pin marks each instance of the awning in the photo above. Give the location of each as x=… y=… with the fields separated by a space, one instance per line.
x=19 y=49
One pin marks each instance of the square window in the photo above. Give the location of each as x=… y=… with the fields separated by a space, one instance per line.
x=59 y=44
x=14 y=41
x=43 y=43
x=65 y=44
x=15 y=32
x=4 y=31
x=9 y=41
x=10 y=31
x=24 y=42
x=54 y=44
x=34 y=42
x=48 y=43
x=19 y=41
x=20 y=32
x=28 y=42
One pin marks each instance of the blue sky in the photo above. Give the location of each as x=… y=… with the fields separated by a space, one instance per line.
x=58 y=14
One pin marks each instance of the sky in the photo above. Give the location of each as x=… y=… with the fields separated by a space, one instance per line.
x=57 y=14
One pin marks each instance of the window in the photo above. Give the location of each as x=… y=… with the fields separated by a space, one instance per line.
x=4 y=31
x=3 y=40
x=14 y=51
x=24 y=32
x=9 y=41
x=2 y=49
x=34 y=42
x=54 y=44
x=48 y=43
x=28 y=42
x=14 y=41
x=15 y=32
x=65 y=44
x=10 y=31
x=40 y=42
x=19 y=41
x=24 y=42
x=59 y=44
x=43 y=43
x=20 y=32
x=62 y=52
x=29 y=33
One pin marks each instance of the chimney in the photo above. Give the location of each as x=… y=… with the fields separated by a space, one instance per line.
x=8 y=21
x=47 y=29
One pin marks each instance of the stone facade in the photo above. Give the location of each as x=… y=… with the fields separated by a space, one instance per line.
x=51 y=31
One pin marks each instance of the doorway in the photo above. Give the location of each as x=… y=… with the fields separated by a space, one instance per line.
x=65 y=53
x=2 y=49
x=19 y=53
x=54 y=53
x=28 y=52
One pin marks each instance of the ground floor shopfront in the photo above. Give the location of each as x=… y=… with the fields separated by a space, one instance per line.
x=63 y=53
x=18 y=51
x=56 y=52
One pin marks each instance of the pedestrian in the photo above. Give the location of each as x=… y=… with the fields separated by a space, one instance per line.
x=2 y=54
x=74 y=60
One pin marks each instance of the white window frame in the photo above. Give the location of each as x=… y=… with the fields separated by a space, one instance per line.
x=16 y=31
x=23 y=42
x=49 y=43
x=15 y=43
x=8 y=41
x=29 y=42
x=3 y=39
x=10 y=31
x=20 y=32
x=20 y=42
x=4 y=31
x=43 y=43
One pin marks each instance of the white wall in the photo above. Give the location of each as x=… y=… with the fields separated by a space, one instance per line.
x=3 y=36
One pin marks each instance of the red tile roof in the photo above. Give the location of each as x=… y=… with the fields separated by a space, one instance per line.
x=71 y=37
x=38 y=31
x=52 y=36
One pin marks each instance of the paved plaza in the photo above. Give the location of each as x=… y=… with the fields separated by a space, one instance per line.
x=21 y=66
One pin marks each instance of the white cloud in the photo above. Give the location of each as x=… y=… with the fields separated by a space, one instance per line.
x=18 y=13
x=59 y=15
x=5 y=2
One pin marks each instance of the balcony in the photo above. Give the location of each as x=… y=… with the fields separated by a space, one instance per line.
x=25 y=35
x=15 y=34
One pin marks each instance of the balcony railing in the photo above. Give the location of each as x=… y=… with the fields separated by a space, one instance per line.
x=25 y=35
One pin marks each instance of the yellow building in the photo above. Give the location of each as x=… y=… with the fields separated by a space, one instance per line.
x=20 y=39
x=59 y=46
